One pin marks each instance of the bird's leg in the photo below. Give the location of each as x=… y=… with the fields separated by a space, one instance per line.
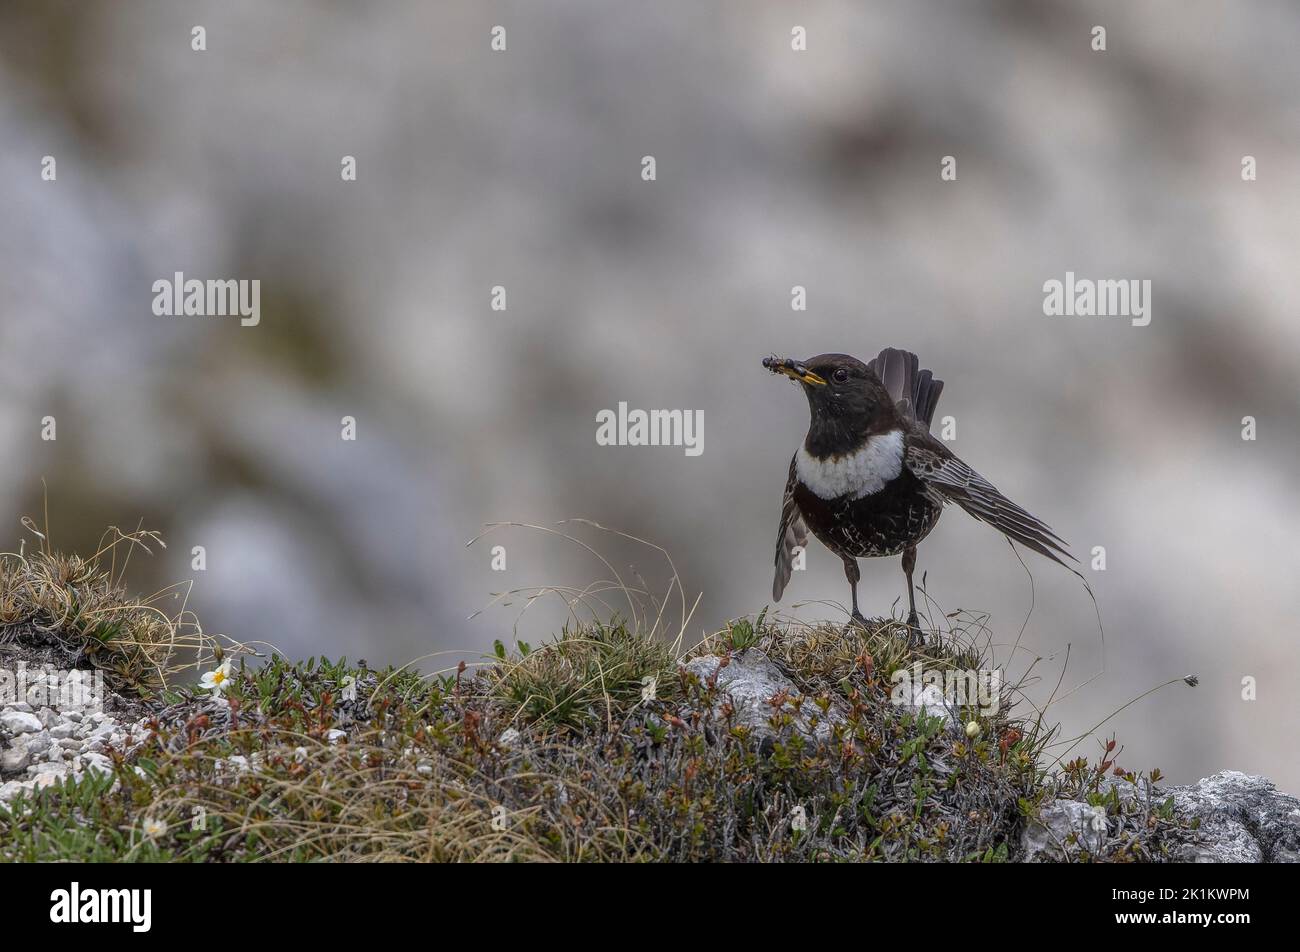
x=913 y=622
x=854 y=574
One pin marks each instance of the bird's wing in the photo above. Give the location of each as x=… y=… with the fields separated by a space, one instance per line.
x=793 y=533
x=936 y=466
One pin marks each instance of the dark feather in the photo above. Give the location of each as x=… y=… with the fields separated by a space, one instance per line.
x=792 y=534
x=915 y=392
x=936 y=466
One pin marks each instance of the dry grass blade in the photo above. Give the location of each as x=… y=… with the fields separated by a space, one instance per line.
x=80 y=611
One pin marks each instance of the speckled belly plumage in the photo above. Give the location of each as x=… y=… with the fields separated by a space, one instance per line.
x=882 y=523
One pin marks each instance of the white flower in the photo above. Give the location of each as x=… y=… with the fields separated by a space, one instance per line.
x=973 y=729
x=649 y=688
x=153 y=828
x=216 y=681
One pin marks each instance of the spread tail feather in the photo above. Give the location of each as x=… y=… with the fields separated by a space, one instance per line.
x=915 y=391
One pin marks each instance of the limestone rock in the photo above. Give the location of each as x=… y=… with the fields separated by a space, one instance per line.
x=751 y=681
x=13 y=721
x=1062 y=829
x=1244 y=819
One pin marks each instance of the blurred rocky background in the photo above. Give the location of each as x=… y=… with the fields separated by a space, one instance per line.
x=775 y=168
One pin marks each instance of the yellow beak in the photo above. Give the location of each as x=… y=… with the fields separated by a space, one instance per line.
x=794 y=370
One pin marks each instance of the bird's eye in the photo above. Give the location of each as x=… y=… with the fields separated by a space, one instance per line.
x=840 y=375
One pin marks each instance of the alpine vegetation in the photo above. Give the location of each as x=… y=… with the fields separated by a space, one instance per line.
x=769 y=740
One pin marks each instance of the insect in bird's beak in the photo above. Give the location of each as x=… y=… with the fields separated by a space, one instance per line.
x=792 y=369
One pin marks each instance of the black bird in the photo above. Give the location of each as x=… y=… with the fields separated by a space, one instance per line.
x=870 y=480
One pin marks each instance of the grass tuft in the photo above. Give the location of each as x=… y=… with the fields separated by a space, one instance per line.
x=591 y=674
x=76 y=613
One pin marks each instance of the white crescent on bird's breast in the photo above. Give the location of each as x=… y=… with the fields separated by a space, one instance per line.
x=864 y=471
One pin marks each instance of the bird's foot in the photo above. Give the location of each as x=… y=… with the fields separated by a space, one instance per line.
x=858 y=620
x=915 y=638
